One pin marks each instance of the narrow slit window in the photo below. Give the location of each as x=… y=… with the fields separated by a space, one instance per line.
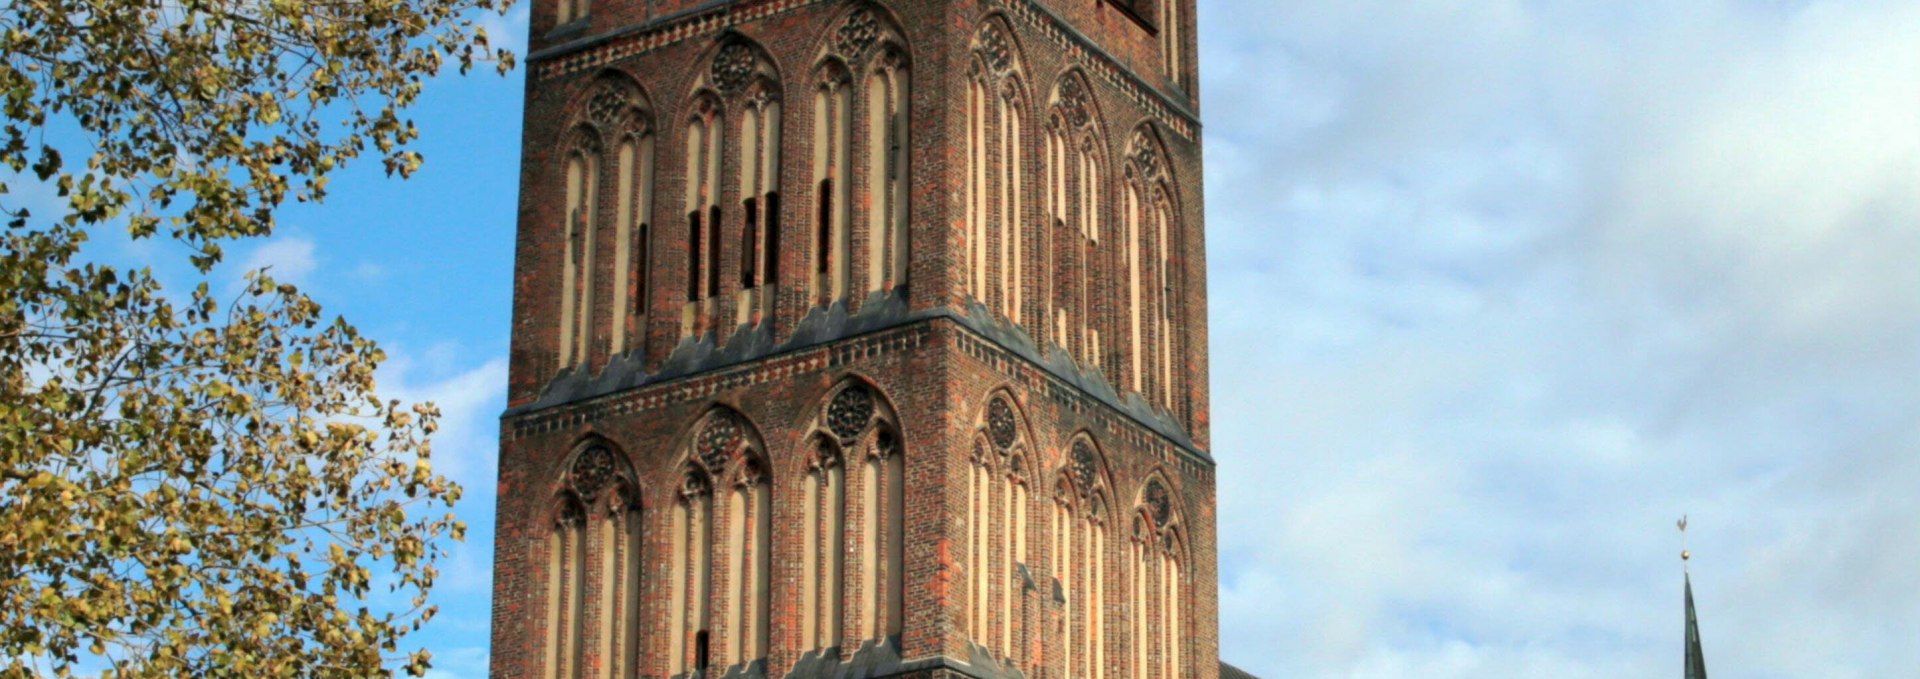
x=772 y=231
x=693 y=256
x=713 y=251
x=823 y=246
x=749 y=268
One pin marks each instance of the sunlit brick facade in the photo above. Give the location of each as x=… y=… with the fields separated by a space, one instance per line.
x=858 y=338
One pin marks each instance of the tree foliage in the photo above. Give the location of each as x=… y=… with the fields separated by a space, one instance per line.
x=195 y=486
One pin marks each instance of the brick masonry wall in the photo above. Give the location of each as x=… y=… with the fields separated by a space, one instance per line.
x=937 y=375
x=939 y=378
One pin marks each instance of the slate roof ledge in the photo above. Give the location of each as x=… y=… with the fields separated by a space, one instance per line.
x=880 y=310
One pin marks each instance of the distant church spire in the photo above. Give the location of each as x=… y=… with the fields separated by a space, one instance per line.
x=1696 y=659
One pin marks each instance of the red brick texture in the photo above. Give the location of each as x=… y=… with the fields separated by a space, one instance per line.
x=933 y=360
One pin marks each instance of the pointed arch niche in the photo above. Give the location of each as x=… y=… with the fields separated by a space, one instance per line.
x=861 y=137
x=1153 y=293
x=1082 y=497
x=853 y=577
x=594 y=566
x=612 y=127
x=1076 y=176
x=997 y=519
x=1173 y=45
x=735 y=121
x=722 y=515
x=996 y=165
x=1157 y=572
x=832 y=182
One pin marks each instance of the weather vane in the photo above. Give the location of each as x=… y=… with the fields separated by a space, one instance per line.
x=1684 y=554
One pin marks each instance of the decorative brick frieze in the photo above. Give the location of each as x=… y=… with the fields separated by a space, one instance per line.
x=597 y=51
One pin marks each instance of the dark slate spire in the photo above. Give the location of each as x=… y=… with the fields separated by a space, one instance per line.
x=1696 y=661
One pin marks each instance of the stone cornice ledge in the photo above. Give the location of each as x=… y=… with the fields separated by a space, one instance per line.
x=883 y=311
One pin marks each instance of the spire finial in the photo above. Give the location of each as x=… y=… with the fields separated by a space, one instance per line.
x=1685 y=555
x=1696 y=661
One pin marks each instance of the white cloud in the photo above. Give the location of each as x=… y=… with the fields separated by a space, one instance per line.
x=1501 y=288
x=466 y=450
x=290 y=259
x=469 y=399
x=1536 y=278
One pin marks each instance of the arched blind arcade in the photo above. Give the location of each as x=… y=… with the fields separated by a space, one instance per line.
x=1079 y=557
x=759 y=201
x=733 y=225
x=861 y=141
x=996 y=165
x=1153 y=292
x=606 y=217
x=1158 y=597
x=855 y=522
x=887 y=171
x=576 y=303
x=594 y=569
x=997 y=521
x=832 y=168
x=1075 y=174
x=723 y=515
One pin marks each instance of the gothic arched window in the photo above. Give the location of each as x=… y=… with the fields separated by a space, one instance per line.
x=1153 y=295
x=1079 y=553
x=1075 y=205
x=612 y=127
x=868 y=43
x=824 y=560
x=735 y=123
x=759 y=199
x=996 y=165
x=633 y=239
x=566 y=578
x=705 y=144
x=723 y=515
x=997 y=522
x=856 y=442
x=832 y=169
x=576 y=302
x=887 y=168
x=1157 y=567
x=596 y=538
x=860 y=111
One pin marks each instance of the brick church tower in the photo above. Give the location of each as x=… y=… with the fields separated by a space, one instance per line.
x=858 y=338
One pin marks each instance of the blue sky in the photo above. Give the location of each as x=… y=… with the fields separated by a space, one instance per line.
x=1500 y=289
